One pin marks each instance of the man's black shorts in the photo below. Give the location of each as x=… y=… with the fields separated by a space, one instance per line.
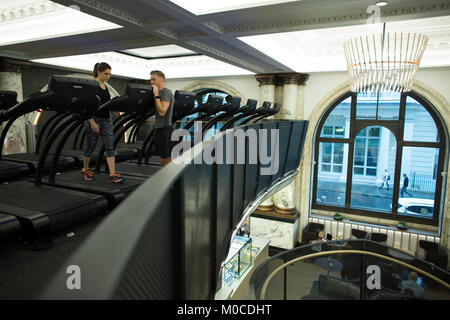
x=162 y=142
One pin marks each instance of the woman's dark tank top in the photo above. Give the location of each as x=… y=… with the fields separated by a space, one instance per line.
x=104 y=97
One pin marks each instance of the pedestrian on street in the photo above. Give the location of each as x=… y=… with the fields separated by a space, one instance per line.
x=405 y=186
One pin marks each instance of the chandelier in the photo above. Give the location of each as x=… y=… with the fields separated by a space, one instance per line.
x=382 y=62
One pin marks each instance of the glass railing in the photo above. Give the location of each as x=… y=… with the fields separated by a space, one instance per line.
x=347 y=270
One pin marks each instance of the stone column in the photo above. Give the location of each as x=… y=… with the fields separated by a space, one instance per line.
x=11 y=79
x=267 y=83
x=291 y=109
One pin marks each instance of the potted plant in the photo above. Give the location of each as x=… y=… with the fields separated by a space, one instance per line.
x=402 y=225
x=338 y=216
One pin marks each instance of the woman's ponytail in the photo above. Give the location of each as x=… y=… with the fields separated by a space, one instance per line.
x=95 y=72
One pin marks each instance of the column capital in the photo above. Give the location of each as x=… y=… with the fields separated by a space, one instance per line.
x=294 y=78
x=267 y=79
x=13 y=65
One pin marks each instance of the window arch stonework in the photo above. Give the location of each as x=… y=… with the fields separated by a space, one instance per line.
x=202 y=84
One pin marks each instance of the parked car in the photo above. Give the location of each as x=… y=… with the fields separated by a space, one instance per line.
x=416 y=206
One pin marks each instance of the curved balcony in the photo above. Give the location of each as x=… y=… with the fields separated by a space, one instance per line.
x=168 y=239
x=350 y=269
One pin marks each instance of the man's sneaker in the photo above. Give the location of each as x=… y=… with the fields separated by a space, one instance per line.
x=87 y=175
x=115 y=178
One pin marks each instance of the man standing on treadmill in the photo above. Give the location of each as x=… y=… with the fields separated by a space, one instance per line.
x=163 y=124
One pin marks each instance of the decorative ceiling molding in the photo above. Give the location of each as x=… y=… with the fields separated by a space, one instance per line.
x=337 y=20
x=166 y=33
x=29 y=10
x=218 y=53
x=214 y=26
x=111 y=11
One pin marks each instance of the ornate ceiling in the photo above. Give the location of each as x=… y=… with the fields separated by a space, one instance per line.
x=220 y=35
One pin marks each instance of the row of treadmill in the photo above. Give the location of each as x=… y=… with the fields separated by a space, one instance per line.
x=42 y=193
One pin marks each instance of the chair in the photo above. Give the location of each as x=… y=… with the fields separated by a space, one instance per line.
x=310 y=232
x=434 y=253
x=359 y=234
x=379 y=237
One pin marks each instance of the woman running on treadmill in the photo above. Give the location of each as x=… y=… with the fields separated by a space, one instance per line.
x=100 y=124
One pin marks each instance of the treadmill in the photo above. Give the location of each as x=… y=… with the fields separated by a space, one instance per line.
x=9 y=169
x=183 y=105
x=261 y=111
x=30 y=104
x=229 y=109
x=137 y=103
x=272 y=111
x=205 y=110
x=247 y=110
x=37 y=211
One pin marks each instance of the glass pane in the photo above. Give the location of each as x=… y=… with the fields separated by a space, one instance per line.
x=366 y=107
x=381 y=106
x=388 y=105
x=418 y=181
x=419 y=125
x=331 y=180
x=373 y=172
x=337 y=124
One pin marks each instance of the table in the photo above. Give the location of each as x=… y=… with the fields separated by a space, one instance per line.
x=329 y=264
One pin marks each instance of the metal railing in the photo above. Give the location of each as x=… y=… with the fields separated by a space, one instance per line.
x=345 y=270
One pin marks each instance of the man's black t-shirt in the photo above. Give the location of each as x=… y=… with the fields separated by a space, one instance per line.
x=104 y=97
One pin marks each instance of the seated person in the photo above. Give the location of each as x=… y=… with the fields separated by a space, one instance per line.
x=411 y=285
x=319 y=237
x=389 y=279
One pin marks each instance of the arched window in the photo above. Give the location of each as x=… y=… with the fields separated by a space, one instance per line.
x=380 y=155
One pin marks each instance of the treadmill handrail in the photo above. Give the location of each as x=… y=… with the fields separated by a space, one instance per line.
x=39 y=100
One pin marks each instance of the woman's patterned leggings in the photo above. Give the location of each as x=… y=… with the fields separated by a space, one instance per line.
x=106 y=131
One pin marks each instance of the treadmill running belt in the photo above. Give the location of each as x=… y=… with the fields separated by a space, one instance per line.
x=131 y=168
x=47 y=208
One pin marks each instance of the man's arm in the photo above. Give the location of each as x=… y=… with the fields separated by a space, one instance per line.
x=161 y=106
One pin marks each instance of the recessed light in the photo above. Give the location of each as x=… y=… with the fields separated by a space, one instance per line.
x=382 y=3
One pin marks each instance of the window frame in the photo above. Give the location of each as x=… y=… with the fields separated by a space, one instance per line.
x=396 y=126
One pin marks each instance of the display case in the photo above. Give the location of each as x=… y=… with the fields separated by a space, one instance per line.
x=239 y=259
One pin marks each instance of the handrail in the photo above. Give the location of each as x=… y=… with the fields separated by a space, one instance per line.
x=325 y=253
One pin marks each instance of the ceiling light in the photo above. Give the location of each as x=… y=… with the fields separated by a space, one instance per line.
x=382 y=3
x=382 y=62
x=133 y=67
x=160 y=51
x=38 y=20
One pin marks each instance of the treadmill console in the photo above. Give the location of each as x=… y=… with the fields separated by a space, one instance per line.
x=141 y=97
x=8 y=99
x=184 y=103
x=73 y=94
x=264 y=108
x=233 y=104
x=212 y=105
x=250 y=107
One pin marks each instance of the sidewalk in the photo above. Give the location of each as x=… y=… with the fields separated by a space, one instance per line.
x=363 y=194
